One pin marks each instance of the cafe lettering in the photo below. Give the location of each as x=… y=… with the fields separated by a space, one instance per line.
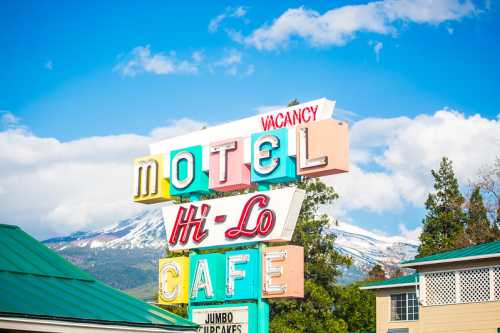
x=227 y=289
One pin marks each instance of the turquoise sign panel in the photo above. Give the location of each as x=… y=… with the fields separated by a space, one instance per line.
x=206 y=277
x=234 y=317
x=242 y=275
x=195 y=181
x=277 y=167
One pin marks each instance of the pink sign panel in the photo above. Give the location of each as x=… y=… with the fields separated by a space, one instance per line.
x=283 y=272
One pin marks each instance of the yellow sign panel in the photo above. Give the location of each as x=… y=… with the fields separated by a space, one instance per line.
x=174 y=280
x=150 y=184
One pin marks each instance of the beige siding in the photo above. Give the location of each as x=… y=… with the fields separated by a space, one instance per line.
x=384 y=312
x=473 y=317
x=461 y=318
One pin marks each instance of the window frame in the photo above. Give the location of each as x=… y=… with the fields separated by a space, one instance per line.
x=416 y=306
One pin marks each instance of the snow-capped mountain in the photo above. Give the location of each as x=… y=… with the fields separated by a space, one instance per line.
x=143 y=231
x=368 y=248
x=146 y=231
x=125 y=254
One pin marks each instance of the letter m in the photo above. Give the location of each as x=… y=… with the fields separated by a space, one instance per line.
x=145 y=177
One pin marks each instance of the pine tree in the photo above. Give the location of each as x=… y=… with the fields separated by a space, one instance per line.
x=478 y=228
x=377 y=273
x=444 y=222
x=396 y=273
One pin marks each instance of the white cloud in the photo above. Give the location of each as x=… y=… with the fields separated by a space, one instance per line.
x=49 y=65
x=267 y=108
x=249 y=70
x=391 y=158
x=411 y=234
x=142 y=60
x=377 y=48
x=339 y=25
x=198 y=56
x=51 y=187
x=232 y=63
x=8 y=119
x=238 y=12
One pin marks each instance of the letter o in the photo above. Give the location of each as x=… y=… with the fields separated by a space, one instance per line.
x=188 y=157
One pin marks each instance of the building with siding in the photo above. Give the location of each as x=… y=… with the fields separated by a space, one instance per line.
x=456 y=291
x=42 y=292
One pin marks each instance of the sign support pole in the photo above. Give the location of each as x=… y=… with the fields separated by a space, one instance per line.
x=262 y=304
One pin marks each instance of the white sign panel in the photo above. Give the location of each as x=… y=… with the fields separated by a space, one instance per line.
x=288 y=117
x=223 y=319
x=254 y=217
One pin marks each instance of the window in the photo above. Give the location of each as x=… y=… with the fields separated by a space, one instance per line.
x=404 y=306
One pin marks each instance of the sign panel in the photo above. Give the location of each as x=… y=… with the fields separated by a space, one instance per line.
x=243 y=273
x=174 y=280
x=206 y=277
x=283 y=272
x=231 y=318
x=322 y=148
x=254 y=217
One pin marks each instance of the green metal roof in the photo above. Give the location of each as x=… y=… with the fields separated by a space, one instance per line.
x=480 y=251
x=402 y=281
x=36 y=282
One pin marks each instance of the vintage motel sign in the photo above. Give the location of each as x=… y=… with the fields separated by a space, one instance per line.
x=250 y=154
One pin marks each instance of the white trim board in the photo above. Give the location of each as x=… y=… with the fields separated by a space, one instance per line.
x=397 y=285
x=443 y=261
x=56 y=326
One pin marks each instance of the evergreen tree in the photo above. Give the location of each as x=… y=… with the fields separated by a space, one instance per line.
x=377 y=273
x=478 y=228
x=396 y=273
x=444 y=222
x=293 y=102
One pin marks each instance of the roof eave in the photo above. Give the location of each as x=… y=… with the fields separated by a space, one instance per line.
x=396 y=285
x=444 y=261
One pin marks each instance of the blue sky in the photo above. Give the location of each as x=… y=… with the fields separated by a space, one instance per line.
x=76 y=70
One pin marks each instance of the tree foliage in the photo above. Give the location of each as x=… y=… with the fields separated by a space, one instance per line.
x=356 y=307
x=377 y=273
x=477 y=228
x=451 y=221
x=444 y=221
x=488 y=181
